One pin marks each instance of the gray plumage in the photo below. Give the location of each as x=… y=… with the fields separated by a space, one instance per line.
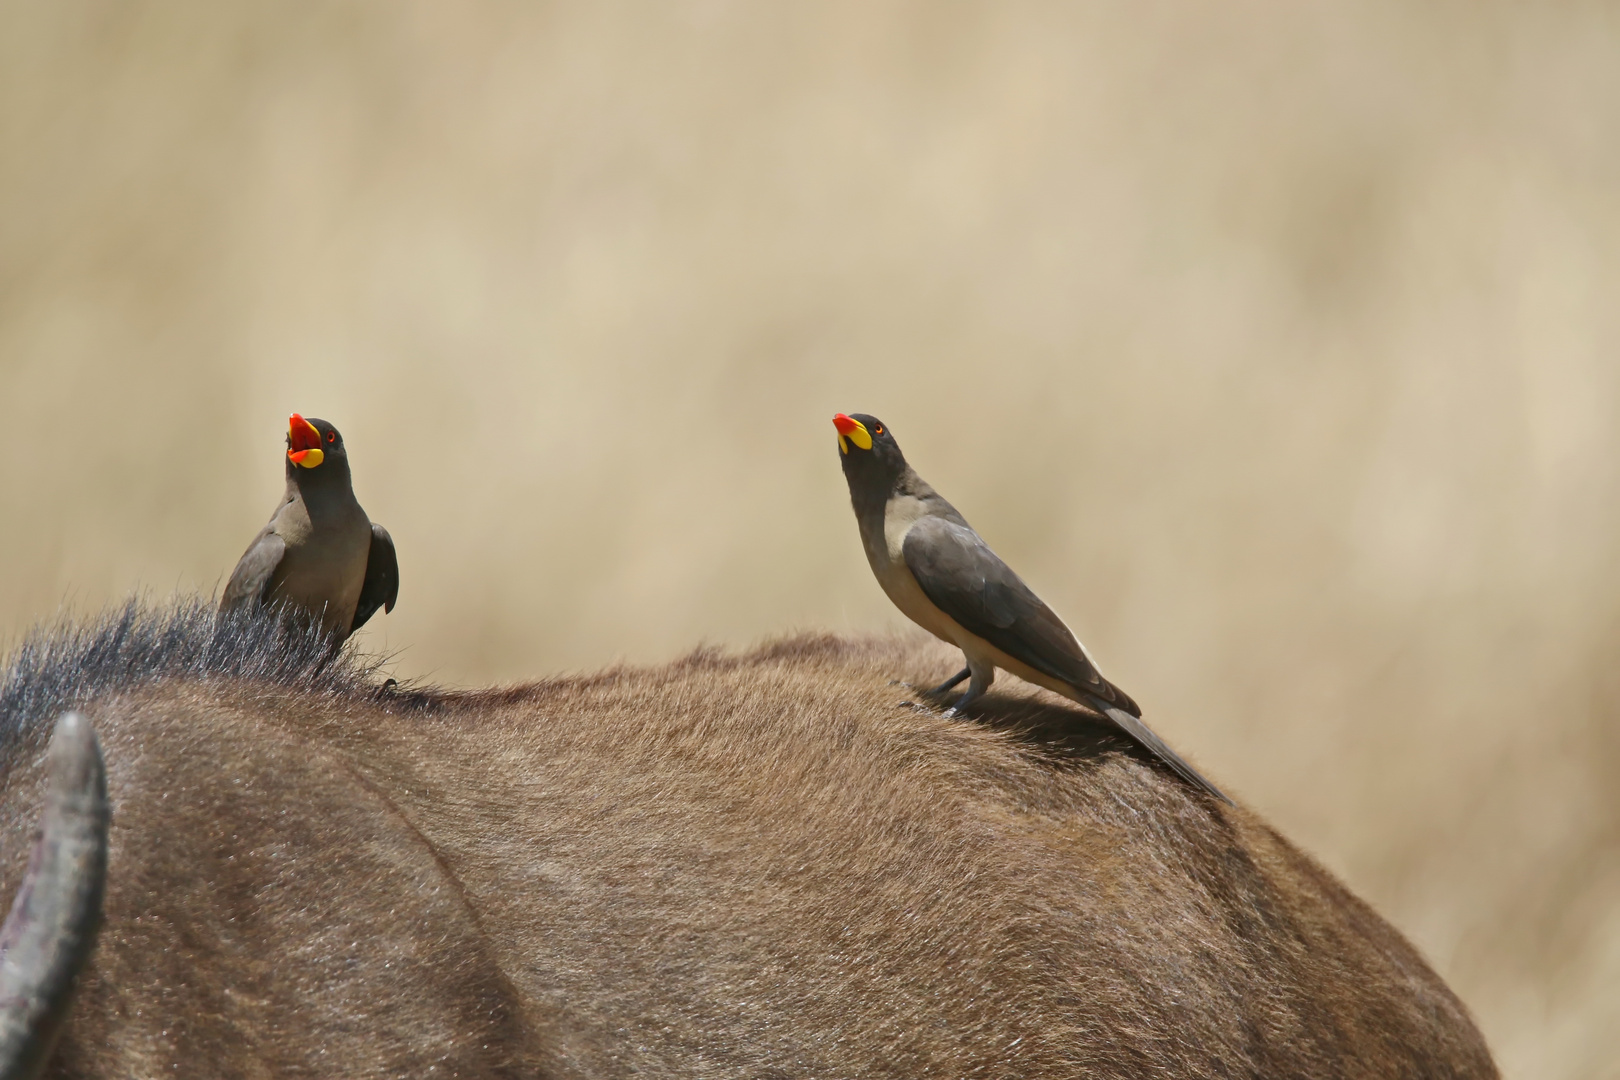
x=319 y=553
x=967 y=581
x=945 y=578
x=380 y=588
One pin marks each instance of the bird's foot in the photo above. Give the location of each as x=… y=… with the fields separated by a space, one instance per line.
x=949 y=684
x=960 y=708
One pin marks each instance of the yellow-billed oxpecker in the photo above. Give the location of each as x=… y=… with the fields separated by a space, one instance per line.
x=319 y=553
x=946 y=579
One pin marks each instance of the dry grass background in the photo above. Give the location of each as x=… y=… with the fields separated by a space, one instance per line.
x=1275 y=343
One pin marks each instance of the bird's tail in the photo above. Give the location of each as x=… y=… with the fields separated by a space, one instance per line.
x=1139 y=731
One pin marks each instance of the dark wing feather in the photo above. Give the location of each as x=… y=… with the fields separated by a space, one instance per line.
x=254 y=575
x=969 y=582
x=381 y=587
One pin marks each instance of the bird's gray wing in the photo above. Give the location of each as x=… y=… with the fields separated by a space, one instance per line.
x=969 y=582
x=254 y=575
x=381 y=587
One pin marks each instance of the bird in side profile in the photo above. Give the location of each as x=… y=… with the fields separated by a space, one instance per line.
x=946 y=579
x=319 y=553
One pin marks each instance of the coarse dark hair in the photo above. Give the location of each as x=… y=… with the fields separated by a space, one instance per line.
x=62 y=664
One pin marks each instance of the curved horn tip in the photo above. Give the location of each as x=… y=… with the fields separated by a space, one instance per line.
x=75 y=759
x=72 y=728
x=51 y=929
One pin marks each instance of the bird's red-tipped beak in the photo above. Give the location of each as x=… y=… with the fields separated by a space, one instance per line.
x=851 y=430
x=303 y=442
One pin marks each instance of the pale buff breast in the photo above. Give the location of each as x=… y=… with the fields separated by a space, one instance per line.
x=325 y=563
x=889 y=567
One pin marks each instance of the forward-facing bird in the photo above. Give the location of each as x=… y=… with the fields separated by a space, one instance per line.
x=319 y=553
x=946 y=579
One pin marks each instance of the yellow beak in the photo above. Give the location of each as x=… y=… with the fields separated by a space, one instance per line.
x=304 y=443
x=851 y=430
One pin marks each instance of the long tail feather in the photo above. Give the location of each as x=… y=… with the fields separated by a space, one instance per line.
x=1139 y=731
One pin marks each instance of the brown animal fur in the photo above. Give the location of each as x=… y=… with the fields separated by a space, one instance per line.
x=755 y=866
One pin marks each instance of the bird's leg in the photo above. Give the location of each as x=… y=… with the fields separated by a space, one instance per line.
x=949 y=684
x=983 y=676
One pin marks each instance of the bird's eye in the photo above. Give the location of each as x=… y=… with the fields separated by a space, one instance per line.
x=331 y=436
x=878 y=430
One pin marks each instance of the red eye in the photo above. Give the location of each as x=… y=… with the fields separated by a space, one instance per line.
x=878 y=430
x=331 y=436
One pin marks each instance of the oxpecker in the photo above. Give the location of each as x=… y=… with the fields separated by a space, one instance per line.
x=319 y=553
x=945 y=578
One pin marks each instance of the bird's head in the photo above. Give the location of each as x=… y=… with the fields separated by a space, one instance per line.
x=314 y=447
x=871 y=458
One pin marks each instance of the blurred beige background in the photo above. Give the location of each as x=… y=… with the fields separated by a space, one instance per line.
x=1277 y=344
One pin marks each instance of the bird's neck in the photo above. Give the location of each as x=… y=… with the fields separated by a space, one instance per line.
x=872 y=503
x=324 y=492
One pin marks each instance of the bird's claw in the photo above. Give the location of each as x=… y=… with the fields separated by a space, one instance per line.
x=949 y=684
